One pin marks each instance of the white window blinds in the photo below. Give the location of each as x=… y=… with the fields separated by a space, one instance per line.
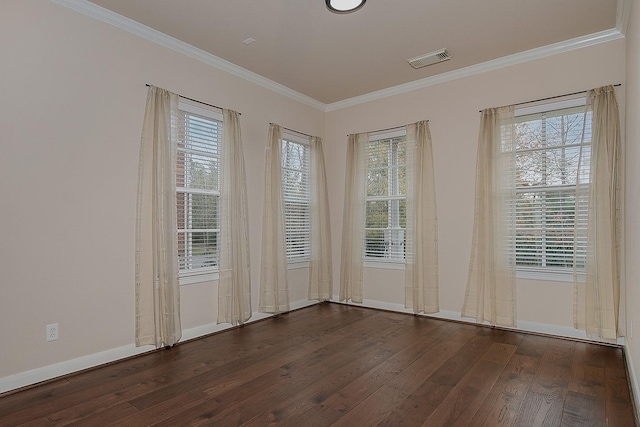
x=296 y=193
x=198 y=189
x=550 y=213
x=385 y=221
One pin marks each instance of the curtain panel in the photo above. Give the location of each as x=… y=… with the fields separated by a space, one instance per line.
x=234 y=289
x=274 y=289
x=157 y=302
x=421 y=248
x=597 y=292
x=490 y=294
x=320 y=267
x=351 y=269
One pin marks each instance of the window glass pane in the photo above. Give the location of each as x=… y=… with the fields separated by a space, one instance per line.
x=386 y=202
x=297 y=199
x=197 y=250
x=197 y=197
x=377 y=214
x=548 y=167
x=377 y=182
x=548 y=157
x=295 y=184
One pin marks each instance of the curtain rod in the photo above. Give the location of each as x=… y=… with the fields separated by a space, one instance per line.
x=194 y=100
x=384 y=130
x=554 y=97
x=292 y=130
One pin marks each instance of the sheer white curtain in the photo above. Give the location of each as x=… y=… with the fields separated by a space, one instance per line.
x=157 y=286
x=274 y=289
x=320 y=268
x=597 y=296
x=234 y=289
x=490 y=293
x=421 y=248
x=352 y=265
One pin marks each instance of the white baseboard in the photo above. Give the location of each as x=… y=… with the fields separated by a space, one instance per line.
x=524 y=326
x=45 y=373
x=633 y=380
x=203 y=330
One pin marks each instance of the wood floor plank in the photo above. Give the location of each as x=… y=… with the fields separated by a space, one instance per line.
x=313 y=395
x=502 y=404
x=445 y=363
x=428 y=396
x=619 y=414
x=98 y=405
x=539 y=409
x=40 y=422
x=333 y=364
x=35 y=392
x=418 y=406
x=533 y=346
x=170 y=401
x=618 y=407
x=457 y=366
x=228 y=366
x=397 y=339
x=363 y=387
x=466 y=398
x=113 y=414
x=500 y=353
x=375 y=408
x=236 y=408
x=559 y=353
x=586 y=376
x=583 y=410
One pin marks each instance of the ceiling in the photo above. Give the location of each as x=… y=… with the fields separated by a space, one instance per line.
x=331 y=57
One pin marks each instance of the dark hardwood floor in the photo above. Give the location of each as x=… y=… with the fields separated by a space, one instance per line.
x=332 y=364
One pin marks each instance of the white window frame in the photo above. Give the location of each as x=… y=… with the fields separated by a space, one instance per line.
x=555 y=274
x=394 y=213
x=204 y=274
x=298 y=261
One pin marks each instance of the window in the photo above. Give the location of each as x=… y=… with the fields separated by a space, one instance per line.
x=296 y=193
x=198 y=192
x=385 y=221
x=547 y=159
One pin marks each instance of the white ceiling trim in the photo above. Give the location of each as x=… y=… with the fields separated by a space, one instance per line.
x=622 y=15
x=505 y=61
x=165 y=40
x=156 y=36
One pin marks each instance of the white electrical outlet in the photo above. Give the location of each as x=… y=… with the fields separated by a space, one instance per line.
x=52 y=332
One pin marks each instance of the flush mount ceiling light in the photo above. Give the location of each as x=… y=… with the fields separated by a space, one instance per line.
x=344 y=6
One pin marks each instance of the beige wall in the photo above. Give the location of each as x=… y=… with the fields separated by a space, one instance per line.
x=73 y=97
x=632 y=193
x=452 y=110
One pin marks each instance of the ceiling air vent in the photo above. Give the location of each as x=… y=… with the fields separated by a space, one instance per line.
x=430 y=58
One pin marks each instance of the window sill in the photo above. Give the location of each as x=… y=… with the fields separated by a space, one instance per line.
x=551 y=275
x=193 y=278
x=387 y=265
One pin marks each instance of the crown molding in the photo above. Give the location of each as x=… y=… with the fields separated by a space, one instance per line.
x=134 y=27
x=495 y=64
x=622 y=15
